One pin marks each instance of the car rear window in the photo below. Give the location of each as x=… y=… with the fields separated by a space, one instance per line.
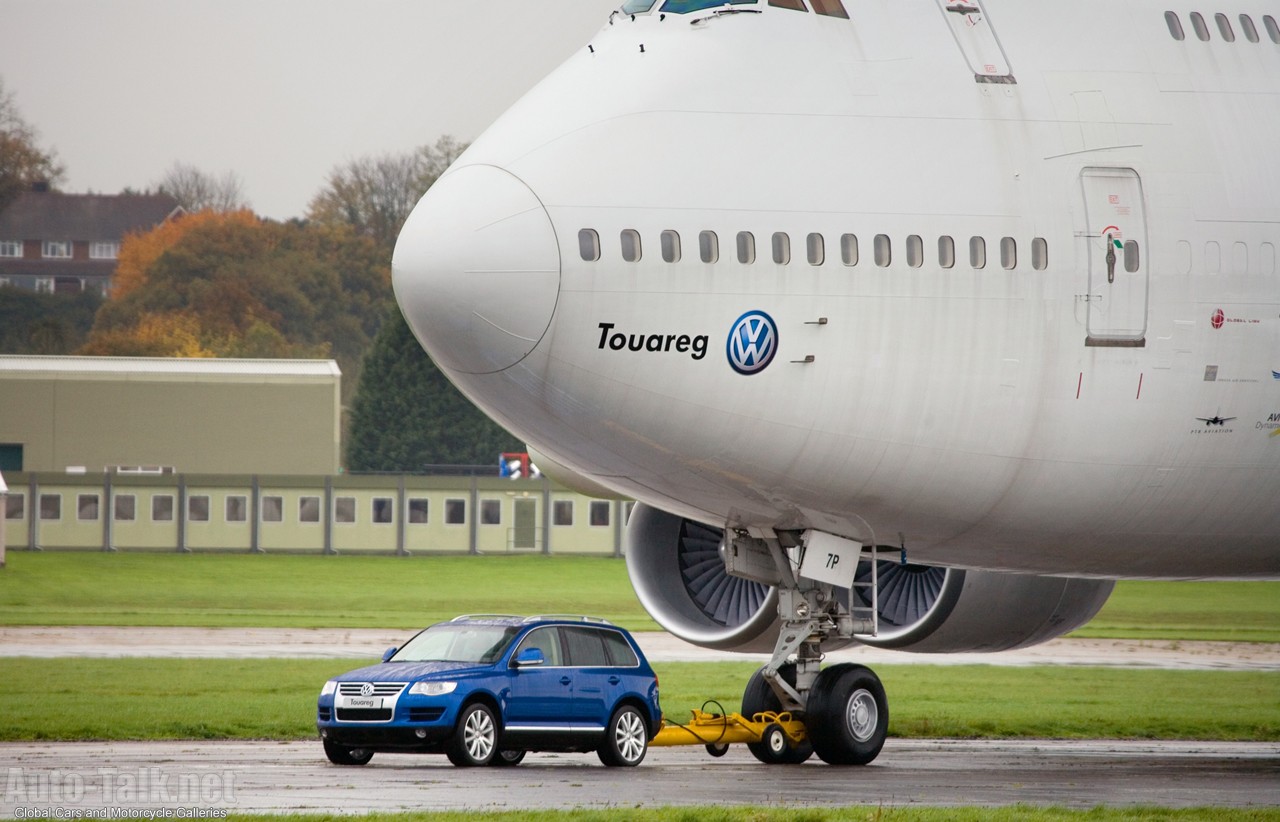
x=586 y=647
x=620 y=653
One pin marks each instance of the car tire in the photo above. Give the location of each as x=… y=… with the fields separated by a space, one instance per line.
x=758 y=697
x=626 y=739
x=507 y=759
x=342 y=755
x=475 y=738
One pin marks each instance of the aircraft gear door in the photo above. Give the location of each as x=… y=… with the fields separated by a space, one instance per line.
x=1118 y=257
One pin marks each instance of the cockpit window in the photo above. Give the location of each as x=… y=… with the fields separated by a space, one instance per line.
x=795 y=5
x=831 y=8
x=637 y=6
x=686 y=6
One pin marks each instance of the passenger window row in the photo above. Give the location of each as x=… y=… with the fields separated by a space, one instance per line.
x=815 y=249
x=1225 y=30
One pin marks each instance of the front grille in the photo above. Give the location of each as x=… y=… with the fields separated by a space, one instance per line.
x=364 y=714
x=425 y=714
x=379 y=688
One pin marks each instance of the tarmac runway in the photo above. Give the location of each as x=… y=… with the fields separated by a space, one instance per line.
x=191 y=779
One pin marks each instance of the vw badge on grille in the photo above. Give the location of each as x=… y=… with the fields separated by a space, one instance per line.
x=366 y=689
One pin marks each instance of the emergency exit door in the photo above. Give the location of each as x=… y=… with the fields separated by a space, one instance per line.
x=1118 y=276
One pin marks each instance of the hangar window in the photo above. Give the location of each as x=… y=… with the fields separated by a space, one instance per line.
x=670 y=246
x=455 y=512
x=915 y=251
x=1250 y=30
x=1224 y=27
x=1200 y=26
x=87 y=507
x=946 y=252
x=977 y=252
x=51 y=506
x=490 y=512
x=831 y=8
x=816 y=249
x=882 y=248
x=1008 y=253
x=383 y=510
x=198 y=508
x=849 y=249
x=562 y=512
x=1131 y=262
x=781 y=248
x=273 y=509
x=746 y=247
x=600 y=513
x=15 y=506
x=1175 y=25
x=631 y=245
x=344 y=510
x=709 y=247
x=1273 y=30
x=162 y=508
x=237 y=509
x=1039 y=254
x=589 y=245
x=308 y=509
x=794 y=5
x=419 y=510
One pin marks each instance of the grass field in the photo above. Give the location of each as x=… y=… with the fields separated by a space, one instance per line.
x=853 y=813
x=66 y=699
x=409 y=592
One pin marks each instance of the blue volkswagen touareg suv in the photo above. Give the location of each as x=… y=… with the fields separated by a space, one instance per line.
x=485 y=689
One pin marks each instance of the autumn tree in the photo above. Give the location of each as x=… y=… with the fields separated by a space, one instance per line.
x=197 y=190
x=374 y=195
x=406 y=414
x=22 y=161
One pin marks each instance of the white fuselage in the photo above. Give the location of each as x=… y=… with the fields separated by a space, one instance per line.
x=1039 y=413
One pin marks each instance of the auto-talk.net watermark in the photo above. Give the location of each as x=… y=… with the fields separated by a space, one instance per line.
x=117 y=793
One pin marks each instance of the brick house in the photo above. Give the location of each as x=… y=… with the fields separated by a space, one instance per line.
x=67 y=243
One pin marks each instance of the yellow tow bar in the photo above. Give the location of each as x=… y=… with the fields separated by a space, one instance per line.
x=717 y=732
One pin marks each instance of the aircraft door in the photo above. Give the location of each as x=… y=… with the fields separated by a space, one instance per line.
x=1118 y=257
x=977 y=41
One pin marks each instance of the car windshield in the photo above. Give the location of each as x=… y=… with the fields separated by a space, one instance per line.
x=480 y=644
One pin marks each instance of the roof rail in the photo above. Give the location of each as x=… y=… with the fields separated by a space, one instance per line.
x=466 y=617
x=568 y=618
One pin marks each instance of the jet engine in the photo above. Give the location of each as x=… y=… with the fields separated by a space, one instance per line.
x=679 y=575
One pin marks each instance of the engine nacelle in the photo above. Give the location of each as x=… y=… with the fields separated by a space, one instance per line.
x=678 y=574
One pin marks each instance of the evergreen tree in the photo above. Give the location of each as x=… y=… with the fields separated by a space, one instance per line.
x=406 y=414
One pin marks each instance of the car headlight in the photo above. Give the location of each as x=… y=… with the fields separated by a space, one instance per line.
x=329 y=687
x=432 y=688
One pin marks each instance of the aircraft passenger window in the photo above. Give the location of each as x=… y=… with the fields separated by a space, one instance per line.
x=671 y=246
x=631 y=245
x=1131 y=256
x=977 y=252
x=883 y=250
x=1202 y=28
x=849 y=249
x=946 y=252
x=915 y=251
x=1250 y=31
x=1224 y=27
x=1272 y=29
x=796 y=5
x=709 y=247
x=831 y=8
x=1175 y=25
x=816 y=249
x=781 y=248
x=1212 y=258
x=1039 y=254
x=1008 y=253
x=746 y=247
x=589 y=245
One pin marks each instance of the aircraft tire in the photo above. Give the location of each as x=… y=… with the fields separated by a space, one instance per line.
x=848 y=715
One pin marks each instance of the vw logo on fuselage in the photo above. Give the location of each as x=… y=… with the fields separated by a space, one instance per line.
x=753 y=340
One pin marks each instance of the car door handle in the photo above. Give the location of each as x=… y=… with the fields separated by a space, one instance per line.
x=564 y=680
x=614 y=680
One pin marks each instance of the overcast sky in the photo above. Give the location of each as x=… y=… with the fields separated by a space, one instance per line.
x=278 y=91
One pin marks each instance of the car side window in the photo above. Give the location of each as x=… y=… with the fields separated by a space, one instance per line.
x=621 y=654
x=586 y=648
x=545 y=640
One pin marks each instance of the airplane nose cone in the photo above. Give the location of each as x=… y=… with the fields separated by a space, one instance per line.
x=476 y=270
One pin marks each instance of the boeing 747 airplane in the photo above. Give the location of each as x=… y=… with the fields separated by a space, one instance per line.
x=900 y=321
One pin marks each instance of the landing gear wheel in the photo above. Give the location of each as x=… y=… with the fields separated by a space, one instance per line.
x=848 y=715
x=626 y=740
x=717 y=749
x=758 y=697
x=507 y=759
x=475 y=739
x=342 y=755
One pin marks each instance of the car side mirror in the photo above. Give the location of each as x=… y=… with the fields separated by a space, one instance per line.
x=390 y=652
x=529 y=658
